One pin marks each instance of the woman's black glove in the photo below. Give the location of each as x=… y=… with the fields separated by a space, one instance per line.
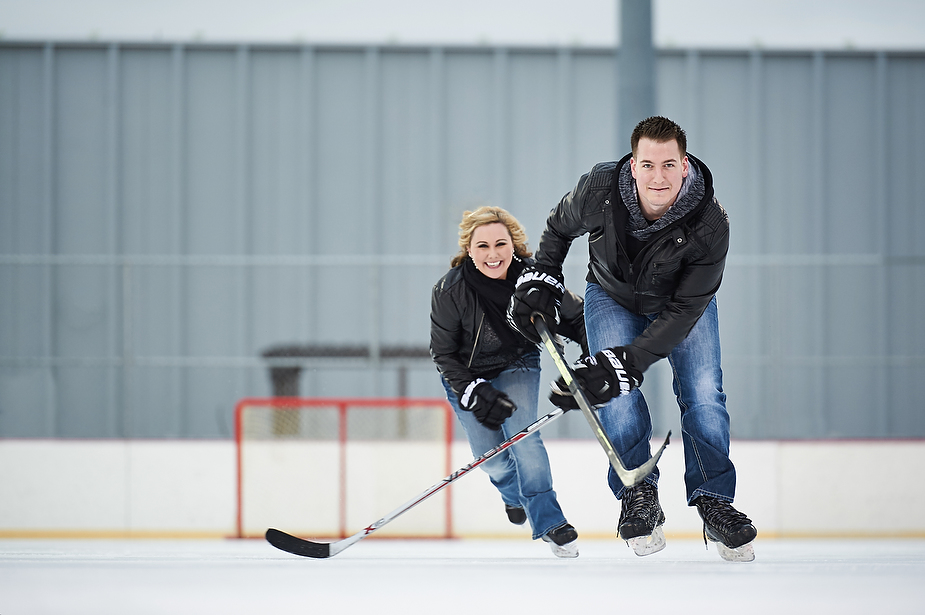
x=490 y=406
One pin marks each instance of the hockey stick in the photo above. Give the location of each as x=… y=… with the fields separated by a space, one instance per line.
x=628 y=477
x=323 y=550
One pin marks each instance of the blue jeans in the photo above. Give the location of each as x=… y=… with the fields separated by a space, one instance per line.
x=521 y=472
x=697 y=383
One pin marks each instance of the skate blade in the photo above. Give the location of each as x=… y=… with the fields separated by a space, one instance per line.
x=647 y=545
x=569 y=550
x=745 y=553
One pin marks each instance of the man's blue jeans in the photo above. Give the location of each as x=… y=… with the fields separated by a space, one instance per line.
x=698 y=385
x=521 y=472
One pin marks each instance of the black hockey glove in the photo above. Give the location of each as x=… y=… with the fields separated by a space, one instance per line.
x=535 y=291
x=602 y=377
x=490 y=406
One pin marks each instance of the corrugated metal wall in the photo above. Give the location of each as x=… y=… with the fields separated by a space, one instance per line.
x=169 y=212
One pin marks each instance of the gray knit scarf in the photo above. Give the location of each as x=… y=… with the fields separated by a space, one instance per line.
x=690 y=195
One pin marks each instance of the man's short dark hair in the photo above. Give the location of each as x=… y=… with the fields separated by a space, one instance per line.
x=661 y=130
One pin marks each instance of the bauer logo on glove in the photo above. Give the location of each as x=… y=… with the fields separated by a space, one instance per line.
x=532 y=275
x=606 y=375
x=535 y=291
x=625 y=381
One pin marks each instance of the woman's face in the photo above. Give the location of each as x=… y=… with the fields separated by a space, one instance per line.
x=492 y=250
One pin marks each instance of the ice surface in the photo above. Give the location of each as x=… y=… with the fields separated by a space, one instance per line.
x=457 y=576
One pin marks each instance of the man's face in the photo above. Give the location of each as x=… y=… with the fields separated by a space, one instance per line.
x=659 y=170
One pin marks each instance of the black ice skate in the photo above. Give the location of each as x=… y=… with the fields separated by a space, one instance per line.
x=641 y=520
x=515 y=514
x=732 y=531
x=563 y=540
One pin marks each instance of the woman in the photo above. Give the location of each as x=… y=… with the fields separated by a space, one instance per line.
x=491 y=373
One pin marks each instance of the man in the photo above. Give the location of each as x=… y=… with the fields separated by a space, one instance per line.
x=658 y=243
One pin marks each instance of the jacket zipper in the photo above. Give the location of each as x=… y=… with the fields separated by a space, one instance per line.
x=609 y=227
x=475 y=342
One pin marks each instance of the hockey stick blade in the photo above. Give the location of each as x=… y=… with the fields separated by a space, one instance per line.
x=324 y=550
x=629 y=478
x=297 y=546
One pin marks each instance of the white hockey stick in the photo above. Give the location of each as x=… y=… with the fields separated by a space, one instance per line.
x=628 y=477
x=323 y=550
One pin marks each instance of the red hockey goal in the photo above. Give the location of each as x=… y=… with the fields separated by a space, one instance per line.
x=326 y=467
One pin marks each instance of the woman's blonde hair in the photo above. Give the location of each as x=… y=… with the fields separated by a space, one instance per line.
x=472 y=220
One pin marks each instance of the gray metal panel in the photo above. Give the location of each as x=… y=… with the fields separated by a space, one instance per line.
x=471 y=158
x=168 y=212
x=87 y=317
x=153 y=223
x=408 y=199
x=591 y=121
x=26 y=226
x=905 y=222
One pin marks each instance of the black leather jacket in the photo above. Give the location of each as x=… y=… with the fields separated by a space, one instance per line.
x=457 y=318
x=676 y=273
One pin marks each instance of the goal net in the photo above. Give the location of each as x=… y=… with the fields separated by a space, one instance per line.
x=327 y=467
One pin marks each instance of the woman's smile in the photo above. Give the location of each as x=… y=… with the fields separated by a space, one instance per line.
x=491 y=249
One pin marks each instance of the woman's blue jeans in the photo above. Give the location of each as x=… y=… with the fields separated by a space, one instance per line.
x=698 y=385
x=521 y=472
